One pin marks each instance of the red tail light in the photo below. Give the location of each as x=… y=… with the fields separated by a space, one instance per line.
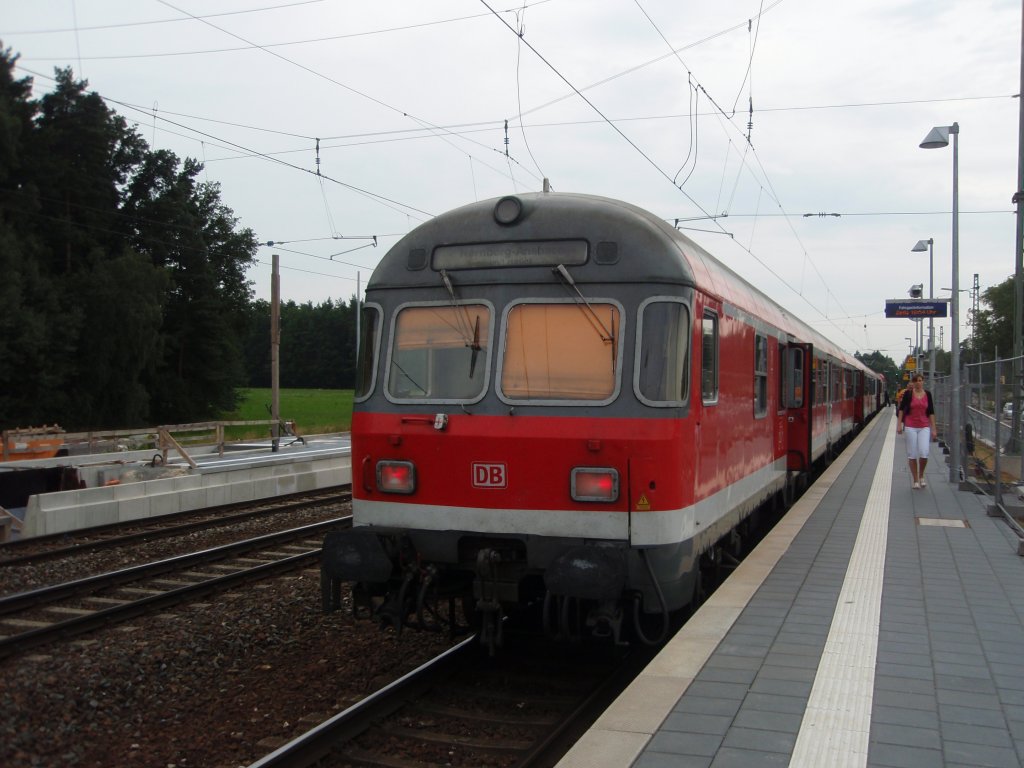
x=595 y=484
x=396 y=476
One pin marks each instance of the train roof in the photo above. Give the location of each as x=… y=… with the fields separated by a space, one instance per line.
x=565 y=217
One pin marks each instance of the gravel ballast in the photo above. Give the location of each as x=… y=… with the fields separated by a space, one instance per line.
x=216 y=684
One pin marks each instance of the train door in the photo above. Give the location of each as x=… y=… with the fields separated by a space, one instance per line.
x=709 y=446
x=858 y=398
x=829 y=370
x=834 y=418
x=798 y=399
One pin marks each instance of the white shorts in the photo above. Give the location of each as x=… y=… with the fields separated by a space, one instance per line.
x=918 y=441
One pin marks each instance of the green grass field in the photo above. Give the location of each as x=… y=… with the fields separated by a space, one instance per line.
x=314 y=411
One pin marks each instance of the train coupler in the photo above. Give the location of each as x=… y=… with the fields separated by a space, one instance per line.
x=355 y=555
x=492 y=617
x=605 y=621
x=587 y=573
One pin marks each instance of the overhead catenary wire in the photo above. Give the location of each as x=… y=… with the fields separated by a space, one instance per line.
x=521 y=24
x=440 y=132
x=662 y=172
x=150 y=22
x=761 y=187
x=249 y=46
x=716 y=210
x=594 y=107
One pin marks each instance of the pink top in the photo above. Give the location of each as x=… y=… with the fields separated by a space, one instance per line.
x=918 y=414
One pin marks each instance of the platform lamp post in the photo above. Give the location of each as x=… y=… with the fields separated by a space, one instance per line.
x=936 y=138
x=927 y=245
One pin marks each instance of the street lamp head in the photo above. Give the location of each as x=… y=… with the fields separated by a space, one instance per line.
x=922 y=245
x=937 y=138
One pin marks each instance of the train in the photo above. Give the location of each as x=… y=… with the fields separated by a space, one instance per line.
x=562 y=405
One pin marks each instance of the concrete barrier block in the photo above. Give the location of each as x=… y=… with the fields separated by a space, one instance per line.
x=129 y=491
x=238 y=476
x=287 y=484
x=189 y=482
x=90 y=516
x=161 y=486
x=305 y=482
x=34 y=523
x=262 y=473
x=214 y=479
x=44 y=523
x=218 y=495
x=195 y=498
x=47 y=501
x=164 y=504
x=264 y=487
x=133 y=509
x=241 y=492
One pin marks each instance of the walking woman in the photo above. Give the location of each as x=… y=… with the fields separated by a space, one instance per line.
x=916 y=416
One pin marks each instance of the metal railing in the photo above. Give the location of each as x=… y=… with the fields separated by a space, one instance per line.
x=992 y=402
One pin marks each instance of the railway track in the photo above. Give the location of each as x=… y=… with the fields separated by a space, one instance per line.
x=468 y=709
x=58 y=545
x=41 y=616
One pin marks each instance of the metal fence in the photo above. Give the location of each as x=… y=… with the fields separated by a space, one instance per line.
x=992 y=409
x=993 y=459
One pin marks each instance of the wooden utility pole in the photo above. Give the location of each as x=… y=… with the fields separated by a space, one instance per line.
x=275 y=352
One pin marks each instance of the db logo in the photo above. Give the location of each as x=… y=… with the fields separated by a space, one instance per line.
x=489 y=475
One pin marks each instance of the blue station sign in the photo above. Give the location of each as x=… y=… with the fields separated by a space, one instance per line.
x=916 y=308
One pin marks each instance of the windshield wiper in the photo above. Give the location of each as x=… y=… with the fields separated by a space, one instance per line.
x=607 y=336
x=472 y=342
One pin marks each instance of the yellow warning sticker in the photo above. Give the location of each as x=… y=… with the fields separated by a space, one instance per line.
x=642 y=503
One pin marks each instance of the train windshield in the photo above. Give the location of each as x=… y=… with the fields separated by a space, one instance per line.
x=440 y=352
x=369 y=334
x=663 y=365
x=560 y=352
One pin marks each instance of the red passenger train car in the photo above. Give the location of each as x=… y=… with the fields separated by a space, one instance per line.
x=564 y=403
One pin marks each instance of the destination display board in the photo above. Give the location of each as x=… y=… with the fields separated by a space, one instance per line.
x=916 y=308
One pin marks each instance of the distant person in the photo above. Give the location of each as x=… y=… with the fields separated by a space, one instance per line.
x=916 y=416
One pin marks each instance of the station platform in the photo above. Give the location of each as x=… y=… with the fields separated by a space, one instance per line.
x=123 y=487
x=876 y=625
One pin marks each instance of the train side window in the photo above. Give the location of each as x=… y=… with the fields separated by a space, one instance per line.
x=760 y=374
x=709 y=358
x=369 y=343
x=561 y=352
x=661 y=375
x=440 y=352
x=795 y=377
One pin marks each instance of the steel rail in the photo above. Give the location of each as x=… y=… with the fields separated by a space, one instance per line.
x=95 y=619
x=45 y=595
x=319 y=742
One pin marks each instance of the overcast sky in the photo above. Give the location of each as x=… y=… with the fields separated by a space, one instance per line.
x=648 y=101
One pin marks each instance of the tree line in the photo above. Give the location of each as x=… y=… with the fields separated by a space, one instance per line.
x=123 y=296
